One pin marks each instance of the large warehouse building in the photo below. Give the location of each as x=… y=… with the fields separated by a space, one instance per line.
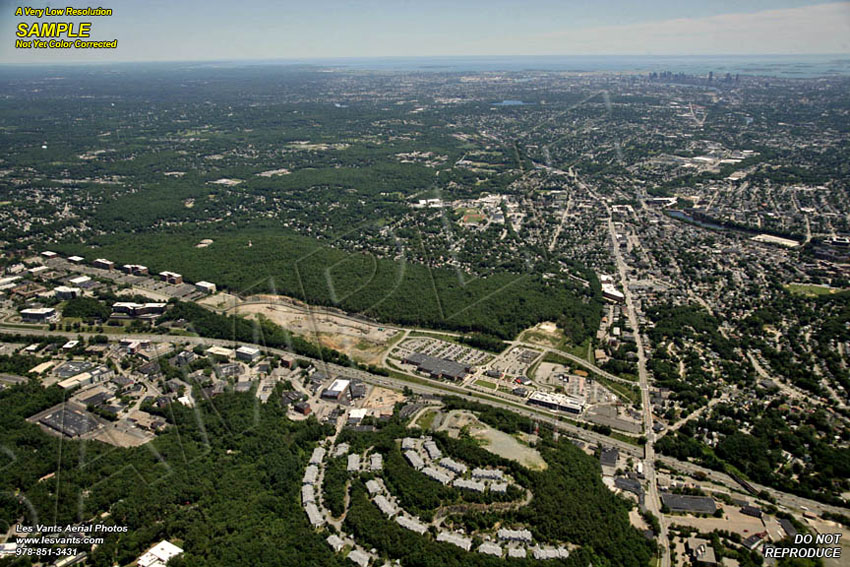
x=437 y=367
x=558 y=402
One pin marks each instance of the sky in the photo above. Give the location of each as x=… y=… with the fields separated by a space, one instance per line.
x=198 y=30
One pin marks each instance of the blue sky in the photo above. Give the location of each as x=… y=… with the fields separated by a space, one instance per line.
x=265 y=29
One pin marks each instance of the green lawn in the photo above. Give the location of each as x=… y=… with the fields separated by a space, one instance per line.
x=810 y=289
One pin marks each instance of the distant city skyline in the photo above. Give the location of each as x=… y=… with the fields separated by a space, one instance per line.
x=192 y=30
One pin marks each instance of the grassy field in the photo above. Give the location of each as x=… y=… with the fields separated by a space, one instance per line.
x=810 y=290
x=426 y=419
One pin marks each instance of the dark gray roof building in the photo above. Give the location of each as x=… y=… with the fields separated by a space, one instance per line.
x=437 y=367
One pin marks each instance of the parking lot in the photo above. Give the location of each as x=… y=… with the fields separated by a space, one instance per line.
x=461 y=354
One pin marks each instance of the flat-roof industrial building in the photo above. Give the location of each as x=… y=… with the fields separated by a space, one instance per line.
x=437 y=367
x=555 y=401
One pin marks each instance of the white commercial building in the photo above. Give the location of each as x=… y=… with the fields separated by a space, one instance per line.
x=206 y=287
x=248 y=353
x=39 y=315
x=556 y=401
x=159 y=555
x=65 y=292
x=336 y=389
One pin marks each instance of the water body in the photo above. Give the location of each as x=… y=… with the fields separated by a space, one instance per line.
x=682 y=216
x=512 y=103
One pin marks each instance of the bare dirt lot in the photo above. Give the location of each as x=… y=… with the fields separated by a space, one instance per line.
x=544 y=334
x=361 y=340
x=495 y=441
x=383 y=400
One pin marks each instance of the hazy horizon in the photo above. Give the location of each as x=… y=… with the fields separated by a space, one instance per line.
x=264 y=30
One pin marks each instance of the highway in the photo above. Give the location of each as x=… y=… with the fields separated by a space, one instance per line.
x=417 y=384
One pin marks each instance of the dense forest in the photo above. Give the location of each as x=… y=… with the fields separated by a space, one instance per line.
x=222 y=483
x=266 y=261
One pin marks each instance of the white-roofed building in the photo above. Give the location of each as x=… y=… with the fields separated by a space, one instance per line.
x=547 y=552
x=360 y=557
x=436 y=474
x=408 y=443
x=433 y=451
x=411 y=524
x=340 y=449
x=335 y=542
x=374 y=487
x=414 y=459
x=39 y=314
x=487 y=474
x=103 y=264
x=317 y=456
x=464 y=543
x=313 y=514
x=205 y=287
x=488 y=548
x=473 y=485
x=452 y=465
x=135 y=269
x=311 y=474
x=308 y=493
x=248 y=353
x=337 y=389
x=556 y=401
x=159 y=555
x=384 y=505
x=65 y=292
x=376 y=462
x=353 y=463
x=500 y=487
x=517 y=552
x=220 y=351
x=171 y=277
x=356 y=415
